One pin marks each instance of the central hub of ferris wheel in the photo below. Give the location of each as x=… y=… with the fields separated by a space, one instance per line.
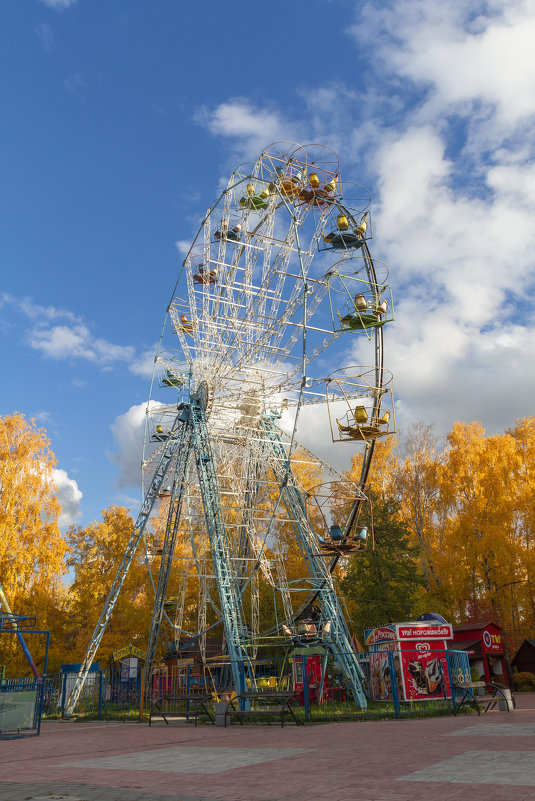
x=279 y=271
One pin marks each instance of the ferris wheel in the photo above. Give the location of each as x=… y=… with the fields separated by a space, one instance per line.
x=279 y=270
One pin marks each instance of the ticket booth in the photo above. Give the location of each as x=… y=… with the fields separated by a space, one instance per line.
x=483 y=642
x=413 y=655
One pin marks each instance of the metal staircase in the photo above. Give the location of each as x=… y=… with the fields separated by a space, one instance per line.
x=229 y=596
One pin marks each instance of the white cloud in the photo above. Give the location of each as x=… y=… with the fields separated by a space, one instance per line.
x=128 y=430
x=77 y=342
x=251 y=127
x=143 y=364
x=36 y=312
x=442 y=125
x=59 y=5
x=45 y=34
x=61 y=334
x=74 y=83
x=183 y=246
x=478 y=53
x=69 y=496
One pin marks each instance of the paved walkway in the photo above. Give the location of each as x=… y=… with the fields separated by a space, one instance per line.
x=490 y=758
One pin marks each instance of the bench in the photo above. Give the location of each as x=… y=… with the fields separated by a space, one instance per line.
x=184 y=706
x=263 y=703
x=494 y=693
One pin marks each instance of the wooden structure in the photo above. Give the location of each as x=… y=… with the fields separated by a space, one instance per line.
x=524 y=659
x=483 y=642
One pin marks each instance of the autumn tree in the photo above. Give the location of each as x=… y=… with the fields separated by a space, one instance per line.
x=522 y=580
x=475 y=509
x=415 y=481
x=31 y=547
x=96 y=551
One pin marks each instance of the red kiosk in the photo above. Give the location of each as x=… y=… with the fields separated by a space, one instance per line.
x=483 y=642
x=418 y=659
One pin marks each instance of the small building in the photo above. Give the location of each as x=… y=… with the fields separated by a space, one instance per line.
x=483 y=642
x=524 y=659
x=413 y=655
x=186 y=666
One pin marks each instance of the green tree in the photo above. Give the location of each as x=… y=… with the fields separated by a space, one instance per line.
x=384 y=582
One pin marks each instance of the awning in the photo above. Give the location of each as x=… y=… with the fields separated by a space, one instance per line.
x=472 y=647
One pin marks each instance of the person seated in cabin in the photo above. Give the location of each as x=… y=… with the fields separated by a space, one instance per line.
x=185 y=324
x=203 y=276
x=233 y=235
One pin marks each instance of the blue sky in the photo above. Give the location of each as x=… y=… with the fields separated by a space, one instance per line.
x=119 y=121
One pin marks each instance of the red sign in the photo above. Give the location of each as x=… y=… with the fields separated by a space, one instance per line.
x=424 y=672
x=412 y=631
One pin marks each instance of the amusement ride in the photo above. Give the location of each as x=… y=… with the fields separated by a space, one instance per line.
x=279 y=270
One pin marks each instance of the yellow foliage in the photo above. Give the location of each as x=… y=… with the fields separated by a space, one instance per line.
x=96 y=551
x=31 y=547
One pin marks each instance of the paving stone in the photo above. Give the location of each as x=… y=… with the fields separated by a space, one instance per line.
x=481 y=767
x=67 y=791
x=188 y=760
x=496 y=730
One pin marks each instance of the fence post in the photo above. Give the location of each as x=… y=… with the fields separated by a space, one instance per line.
x=99 y=710
x=306 y=698
x=142 y=694
x=394 y=682
x=452 y=688
x=63 y=690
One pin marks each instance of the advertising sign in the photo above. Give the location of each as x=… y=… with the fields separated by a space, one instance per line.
x=129 y=650
x=492 y=642
x=424 y=671
x=380 y=634
x=417 y=631
x=380 y=675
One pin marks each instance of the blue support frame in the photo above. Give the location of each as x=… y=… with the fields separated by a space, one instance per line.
x=235 y=631
x=339 y=640
x=170 y=539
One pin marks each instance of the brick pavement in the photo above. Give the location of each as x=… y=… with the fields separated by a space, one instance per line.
x=490 y=758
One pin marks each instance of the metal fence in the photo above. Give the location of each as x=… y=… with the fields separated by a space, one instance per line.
x=104 y=696
x=20 y=707
x=396 y=685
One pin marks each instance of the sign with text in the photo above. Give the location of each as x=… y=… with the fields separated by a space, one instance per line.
x=416 y=631
x=492 y=642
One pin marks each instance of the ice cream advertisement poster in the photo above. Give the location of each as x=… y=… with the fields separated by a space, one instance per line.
x=424 y=672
